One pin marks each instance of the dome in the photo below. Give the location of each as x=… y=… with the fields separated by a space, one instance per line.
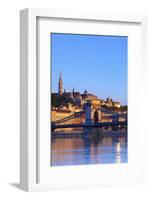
x=85 y=92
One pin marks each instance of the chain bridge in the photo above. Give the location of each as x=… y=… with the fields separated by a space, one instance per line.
x=92 y=116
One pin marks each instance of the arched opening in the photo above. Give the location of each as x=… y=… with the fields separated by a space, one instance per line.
x=96 y=116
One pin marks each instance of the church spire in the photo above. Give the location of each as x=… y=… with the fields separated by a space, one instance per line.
x=60 y=78
x=60 y=85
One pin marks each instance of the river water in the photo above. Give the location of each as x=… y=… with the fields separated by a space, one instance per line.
x=81 y=151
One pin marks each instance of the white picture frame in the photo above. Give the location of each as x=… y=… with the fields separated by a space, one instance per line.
x=30 y=166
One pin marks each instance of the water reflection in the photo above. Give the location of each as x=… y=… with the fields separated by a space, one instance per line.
x=77 y=151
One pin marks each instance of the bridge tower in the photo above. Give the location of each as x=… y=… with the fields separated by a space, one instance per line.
x=92 y=113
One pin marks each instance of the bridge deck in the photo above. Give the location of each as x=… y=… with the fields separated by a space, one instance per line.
x=94 y=125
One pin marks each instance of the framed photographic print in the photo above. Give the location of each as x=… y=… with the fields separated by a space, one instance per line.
x=82 y=77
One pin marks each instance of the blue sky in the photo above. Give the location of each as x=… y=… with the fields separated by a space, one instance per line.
x=92 y=62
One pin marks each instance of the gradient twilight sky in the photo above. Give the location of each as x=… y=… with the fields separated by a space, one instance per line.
x=93 y=62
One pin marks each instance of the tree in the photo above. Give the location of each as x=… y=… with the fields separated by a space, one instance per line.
x=57 y=100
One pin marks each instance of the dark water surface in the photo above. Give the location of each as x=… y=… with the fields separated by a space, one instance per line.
x=80 y=151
